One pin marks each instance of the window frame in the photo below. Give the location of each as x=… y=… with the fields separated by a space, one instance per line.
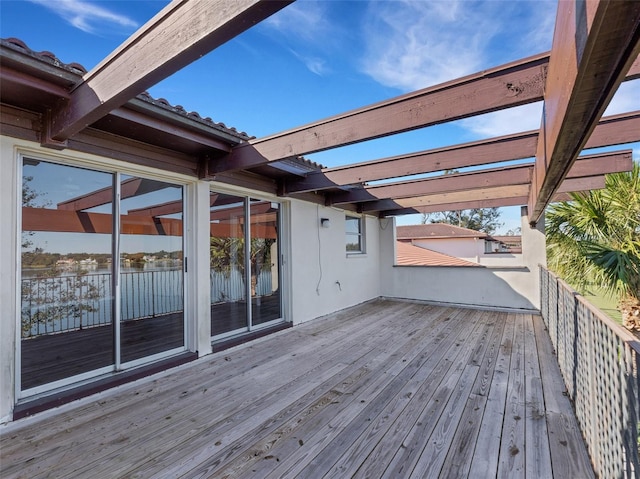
x=360 y=235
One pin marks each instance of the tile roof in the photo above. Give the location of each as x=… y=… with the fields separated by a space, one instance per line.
x=79 y=70
x=410 y=255
x=437 y=230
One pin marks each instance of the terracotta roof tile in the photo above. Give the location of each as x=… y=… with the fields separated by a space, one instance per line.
x=17 y=44
x=77 y=69
x=410 y=255
x=194 y=115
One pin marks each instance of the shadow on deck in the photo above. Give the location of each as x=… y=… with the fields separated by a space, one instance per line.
x=385 y=389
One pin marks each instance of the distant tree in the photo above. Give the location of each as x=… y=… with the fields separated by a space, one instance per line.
x=594 y=239
x=424 y=219
x=514 y=231
x=478 y=219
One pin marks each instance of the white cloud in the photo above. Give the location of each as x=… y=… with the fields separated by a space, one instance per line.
x=86 y=16
x=413 y=44
x=306 y=21
x=309 y=33
x=313 y=63
x=505 y=122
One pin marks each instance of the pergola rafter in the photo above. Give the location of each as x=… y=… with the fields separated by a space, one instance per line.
x=595 y=45
x=612 y=130
x=513 y=84
x=507 y=177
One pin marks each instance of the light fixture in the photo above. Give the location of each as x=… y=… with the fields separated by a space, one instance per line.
x=324 y=222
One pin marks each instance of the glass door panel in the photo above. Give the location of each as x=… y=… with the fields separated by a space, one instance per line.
x=66 y=281
x=265 y=277
x=228 y=285
x=151 y=267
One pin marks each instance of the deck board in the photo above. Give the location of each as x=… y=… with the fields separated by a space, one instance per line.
x=385 y=389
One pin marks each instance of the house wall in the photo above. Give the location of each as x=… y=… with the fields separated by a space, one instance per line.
x=502 y=260
x=510 y=287
x=470 y=249
x=324 y=278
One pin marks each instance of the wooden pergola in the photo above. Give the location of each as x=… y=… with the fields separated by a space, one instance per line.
x=595 y=48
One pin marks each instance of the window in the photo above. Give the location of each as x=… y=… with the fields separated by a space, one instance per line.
x=354 y=234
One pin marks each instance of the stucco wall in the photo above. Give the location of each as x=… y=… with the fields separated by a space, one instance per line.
x=470 y=249
x=510 y=287
x=8 y=273
x=319 y=262
x=502 y=260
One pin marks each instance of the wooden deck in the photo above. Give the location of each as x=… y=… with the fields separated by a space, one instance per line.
x=386 y=389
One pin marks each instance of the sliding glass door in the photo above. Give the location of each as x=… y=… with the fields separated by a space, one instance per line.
x=228 y=290
x=242 y=268
x=102 y=280
x=151 y=268
x=265 y=270
x=66 y=285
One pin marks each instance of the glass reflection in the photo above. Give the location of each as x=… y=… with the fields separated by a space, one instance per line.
x=66 y=284
x=265 y=277
x=228 y=285
x=151 y=267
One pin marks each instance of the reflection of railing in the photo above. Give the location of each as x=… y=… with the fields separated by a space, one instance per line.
x=151 y=293
x=230 y=287
x=71 y=302
x=600 y=363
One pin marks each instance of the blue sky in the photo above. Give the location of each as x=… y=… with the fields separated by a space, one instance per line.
x=319 y=58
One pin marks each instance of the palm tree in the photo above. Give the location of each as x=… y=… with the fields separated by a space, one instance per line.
x=595 y=239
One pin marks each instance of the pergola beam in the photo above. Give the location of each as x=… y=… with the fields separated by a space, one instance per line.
x=516 y=175
x=180 y=34
x=595 y=44
x=513 y=84
x=590 y=165
x=503 y=195
x=612 y=130
x=387 y=210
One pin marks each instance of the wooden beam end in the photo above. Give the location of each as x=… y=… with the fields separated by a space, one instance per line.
x=46 y=139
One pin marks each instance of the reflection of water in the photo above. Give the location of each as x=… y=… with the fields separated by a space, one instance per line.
x=72 y=300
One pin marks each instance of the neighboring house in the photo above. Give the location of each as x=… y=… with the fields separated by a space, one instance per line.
x=410 y=255
x=464 y=243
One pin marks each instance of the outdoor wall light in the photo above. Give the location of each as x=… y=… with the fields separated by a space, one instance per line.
x=324 y=222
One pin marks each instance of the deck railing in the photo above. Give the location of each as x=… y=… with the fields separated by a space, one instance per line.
x=600 y=363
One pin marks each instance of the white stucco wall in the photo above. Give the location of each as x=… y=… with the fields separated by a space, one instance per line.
x=8 y=273
x=502 y=260
x=470 y=249
x=319 y=262
x=504 y=287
